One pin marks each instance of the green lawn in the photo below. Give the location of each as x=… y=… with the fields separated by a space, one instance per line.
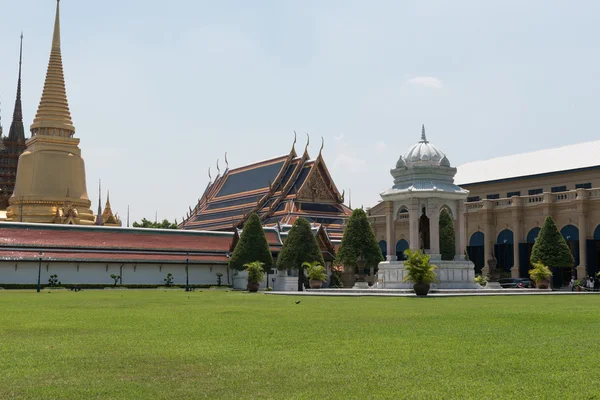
x=142 y=344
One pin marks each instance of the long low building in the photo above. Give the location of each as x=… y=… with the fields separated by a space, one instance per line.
x=91 y=254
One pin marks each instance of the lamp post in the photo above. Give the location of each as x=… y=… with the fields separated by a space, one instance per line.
x=39 y=272
x=187 y=275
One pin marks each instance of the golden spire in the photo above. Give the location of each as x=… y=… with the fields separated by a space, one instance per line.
x=53 y=117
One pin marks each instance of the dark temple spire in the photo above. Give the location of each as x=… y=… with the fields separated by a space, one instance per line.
x=17 y=131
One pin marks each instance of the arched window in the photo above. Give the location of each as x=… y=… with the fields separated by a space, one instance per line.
x=401 y=245
x=383 y=247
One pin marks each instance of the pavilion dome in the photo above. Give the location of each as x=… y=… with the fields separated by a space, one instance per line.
x=425 y=152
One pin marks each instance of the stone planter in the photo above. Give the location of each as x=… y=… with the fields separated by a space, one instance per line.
x=545 y=284
x=240 y=279
x=421 y=289
x=253 y=287
x=315 y=284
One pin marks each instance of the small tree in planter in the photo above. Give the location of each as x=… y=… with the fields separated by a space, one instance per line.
x=419 y=271
x=53 y=281
x=316 y=273
x=115 y=279
x=219 y=276
x=168 y=280
x=256 y=274
x=299 y=247
x=541 y=275
x=359 y=245
x=252 y=246
x=550 y=248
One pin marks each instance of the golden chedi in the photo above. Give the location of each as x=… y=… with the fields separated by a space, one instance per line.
x=50 y=185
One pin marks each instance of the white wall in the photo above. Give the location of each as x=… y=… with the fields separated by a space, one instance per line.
x=96 y=273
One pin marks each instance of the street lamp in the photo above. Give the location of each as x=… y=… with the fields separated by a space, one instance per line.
x=187 y=275
x=40 y=272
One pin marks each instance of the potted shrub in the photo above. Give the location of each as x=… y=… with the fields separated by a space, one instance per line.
x=256 y=274
x=419 y=271
x=316 y=273
x=541 y=275
x=481 y=280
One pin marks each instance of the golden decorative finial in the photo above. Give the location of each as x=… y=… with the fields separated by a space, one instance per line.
x=209 y=177
x=218 y=170
x=307 y=143
x=294 y=144
x=53 y=116
x=226 y=162
x=322 y=145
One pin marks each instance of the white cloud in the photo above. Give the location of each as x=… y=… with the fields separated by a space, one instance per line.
x=380 y=146
x=425 y=81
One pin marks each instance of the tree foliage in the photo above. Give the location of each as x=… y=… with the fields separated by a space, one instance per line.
x=447 y=239
x=550 y=248
x=418 y=267
x=358 y=240
x=252 y=246
x=299 y=247
x=165 y=224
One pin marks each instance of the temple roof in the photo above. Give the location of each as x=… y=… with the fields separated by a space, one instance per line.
x=279 y=189
x=20 y=241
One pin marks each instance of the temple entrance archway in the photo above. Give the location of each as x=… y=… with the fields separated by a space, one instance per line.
x=401 y=246
x=504 y=249
x=383 y=247
x=475 y=250
x=571 y=234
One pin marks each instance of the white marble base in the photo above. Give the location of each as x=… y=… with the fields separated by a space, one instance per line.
x=450 y=275
x=286 y=284
x=493 y=286
x=361 y=285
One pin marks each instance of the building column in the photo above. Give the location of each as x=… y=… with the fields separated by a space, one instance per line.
x=581 y=200
x=460 y=231
x=413 y=221
x=390 y=231
x=488 y=237
x=434 y=231
x=517 y=223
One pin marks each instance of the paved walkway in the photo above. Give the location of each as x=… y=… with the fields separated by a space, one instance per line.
x=432 y=293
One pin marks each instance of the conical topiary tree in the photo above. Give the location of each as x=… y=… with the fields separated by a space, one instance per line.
x=550 y=248
x=299 y=247
x=252 y=246
x=447 y=239
x=358 y=240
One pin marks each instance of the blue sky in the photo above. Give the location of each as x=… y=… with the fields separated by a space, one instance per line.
x=159 y=90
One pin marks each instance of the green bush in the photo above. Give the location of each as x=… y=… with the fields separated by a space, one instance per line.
x=481 y=280
x=358 y=240
x=418 y=267
x=550 y=248
x=252 y=246
x=315 y=271
x=540 y=272
x=299 y=247
x=169 y=279
x=447 y=239
x=256 y=273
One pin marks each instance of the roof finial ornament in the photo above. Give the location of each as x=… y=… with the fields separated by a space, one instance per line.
x=294 y=144
x=423 y=136
x=226 y=162
x=322 y=145
x=307 y=143
x=209 y=176
x=218 y=169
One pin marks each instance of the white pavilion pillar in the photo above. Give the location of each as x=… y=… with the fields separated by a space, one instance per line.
x=460 y=231
x=434 y=231
x=390 y=231
x=413 y=221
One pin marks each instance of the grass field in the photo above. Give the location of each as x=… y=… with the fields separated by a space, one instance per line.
x=142 y=344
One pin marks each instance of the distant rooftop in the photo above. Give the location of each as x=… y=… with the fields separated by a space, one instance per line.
x=565 y=158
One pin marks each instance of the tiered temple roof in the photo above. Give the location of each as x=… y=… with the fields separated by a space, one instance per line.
x=279 y=189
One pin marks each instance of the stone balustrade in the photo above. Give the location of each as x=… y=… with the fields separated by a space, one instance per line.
x=534 y=200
